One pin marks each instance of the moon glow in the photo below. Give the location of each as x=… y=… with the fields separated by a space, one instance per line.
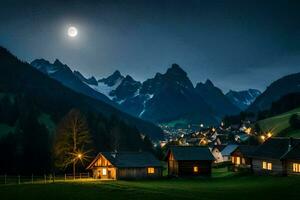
x=72 y=31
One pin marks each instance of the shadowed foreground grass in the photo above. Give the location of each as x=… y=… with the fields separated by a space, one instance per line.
x=229 y=187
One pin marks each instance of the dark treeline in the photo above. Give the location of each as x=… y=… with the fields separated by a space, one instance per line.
x=28 y=148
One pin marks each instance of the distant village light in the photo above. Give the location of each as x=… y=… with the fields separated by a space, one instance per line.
x=263 y=137
x=79 y=155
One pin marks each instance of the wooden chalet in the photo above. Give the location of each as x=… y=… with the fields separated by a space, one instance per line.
x=241 y=157
x=189 y=161
x=125 y=165
x=276 y=156
x=292 y=160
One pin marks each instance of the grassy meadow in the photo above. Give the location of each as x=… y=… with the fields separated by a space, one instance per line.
x=222 y=185
x=278 y=124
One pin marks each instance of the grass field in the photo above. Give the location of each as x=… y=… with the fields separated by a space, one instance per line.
x=220 y=186
x=279 y=123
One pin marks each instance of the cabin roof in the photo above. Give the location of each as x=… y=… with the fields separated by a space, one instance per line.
x=219 y=147
x=229 y=149
x=129 y=159
x=191 y=153
x=275 y=148
x=246 y=150
x=294 y=153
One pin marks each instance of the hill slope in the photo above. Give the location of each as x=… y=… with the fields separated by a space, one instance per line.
x=283 y=86
x=279 y=123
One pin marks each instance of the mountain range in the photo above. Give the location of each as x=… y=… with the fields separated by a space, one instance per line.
x=56 y=99
x=166 y=97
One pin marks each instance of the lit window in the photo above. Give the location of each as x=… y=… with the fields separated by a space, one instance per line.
x=269 y=166
x=195 y=169
x=238 y=160
x=104 y=171
x=150 y=170
x=232 y=159
x=296 y=167
x=266 y=165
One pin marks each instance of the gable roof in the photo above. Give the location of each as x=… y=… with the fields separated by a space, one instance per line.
x=191 y=153
x=275 y=148
x=293 y=154
x=229 y=149
x=129 y=159
x=246 y=150
x=219 y=147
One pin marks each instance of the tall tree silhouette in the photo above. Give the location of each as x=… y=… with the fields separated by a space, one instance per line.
x=72 y=140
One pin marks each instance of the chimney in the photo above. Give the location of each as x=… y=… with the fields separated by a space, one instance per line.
x=290 y=144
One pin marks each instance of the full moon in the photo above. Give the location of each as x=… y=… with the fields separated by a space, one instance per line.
x=72 y=31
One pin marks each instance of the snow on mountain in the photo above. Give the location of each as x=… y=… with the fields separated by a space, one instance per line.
x=243 y=99
x=106 y=89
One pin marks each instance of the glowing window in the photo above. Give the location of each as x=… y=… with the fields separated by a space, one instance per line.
x=150 y=170
x=104 y=171
x=232 y=159
x=269 y=166
x=238 y=160
x=195 y=169
x=266 y=165
x=296 y=167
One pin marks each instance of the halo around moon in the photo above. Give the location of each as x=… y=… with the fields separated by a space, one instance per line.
x=72 y=31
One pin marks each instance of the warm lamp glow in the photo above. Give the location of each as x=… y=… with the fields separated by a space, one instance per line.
x=79 y=156
x=263 y=137
x=269 y=134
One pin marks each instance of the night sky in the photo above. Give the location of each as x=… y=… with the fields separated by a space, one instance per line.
x=236 y=44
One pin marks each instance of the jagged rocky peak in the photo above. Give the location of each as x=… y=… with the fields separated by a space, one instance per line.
x=112 y=79
x=58 y=63
x=91 y=81
x=209 y=83
x=40 y=61
x=175 y=69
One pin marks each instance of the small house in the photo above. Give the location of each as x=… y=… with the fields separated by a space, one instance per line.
x=272 y=156
x=189 y=161
x=125 y=165
x=241 y=157
x=292 y=161
x=226 y=152
x=216 y=152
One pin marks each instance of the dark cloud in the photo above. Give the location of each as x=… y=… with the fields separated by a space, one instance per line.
x=236 y=44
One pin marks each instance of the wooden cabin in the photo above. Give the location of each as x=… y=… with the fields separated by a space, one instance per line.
x=241 y=157
x=271 y=156
x=189 y=161
x=216 y=152
x=292 y=160
x=125 y=165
